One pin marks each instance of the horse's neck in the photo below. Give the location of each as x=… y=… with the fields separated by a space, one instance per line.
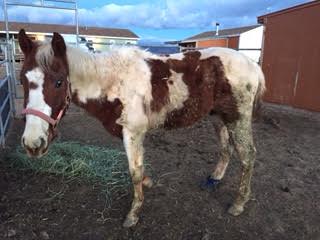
x=97 y=76
x=82 y=65
x=87 y=76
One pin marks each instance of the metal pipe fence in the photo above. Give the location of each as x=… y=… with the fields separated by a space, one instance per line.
x=6 y=93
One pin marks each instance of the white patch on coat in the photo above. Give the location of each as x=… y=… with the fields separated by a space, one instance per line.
x=120 y=74
x=178 y=91
x=123 y=73
x=85 y=74
x=36 y=128
x=101 y=75
x=178 y=94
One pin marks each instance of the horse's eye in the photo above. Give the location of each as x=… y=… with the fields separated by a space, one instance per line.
x=58 y=83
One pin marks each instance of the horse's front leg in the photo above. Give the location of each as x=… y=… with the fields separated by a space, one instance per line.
x=133 y=142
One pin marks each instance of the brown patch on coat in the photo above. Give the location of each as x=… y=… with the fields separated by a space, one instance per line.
x=208 y=88
x=160 y=74
x=225 y=103
x=33 y=85
x=28 y=64
x=53 y=96
x=105 y=111
x=257 y=103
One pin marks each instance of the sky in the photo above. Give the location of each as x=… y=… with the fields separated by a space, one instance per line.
x=156 y=20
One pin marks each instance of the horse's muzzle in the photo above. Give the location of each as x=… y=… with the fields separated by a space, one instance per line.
x=37 y=148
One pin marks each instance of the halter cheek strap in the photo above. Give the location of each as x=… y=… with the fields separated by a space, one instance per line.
x=50 y=120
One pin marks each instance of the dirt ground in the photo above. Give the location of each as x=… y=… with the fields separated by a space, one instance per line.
x=285 y=203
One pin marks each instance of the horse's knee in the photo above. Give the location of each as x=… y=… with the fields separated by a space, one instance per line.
x=246 y=152
x=252 y=151
x=137 y=174
x=224 y=136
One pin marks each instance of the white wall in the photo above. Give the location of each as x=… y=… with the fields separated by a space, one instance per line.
x=251 y=40
x=70 y=38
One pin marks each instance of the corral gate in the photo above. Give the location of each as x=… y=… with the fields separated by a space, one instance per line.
x=8 y=81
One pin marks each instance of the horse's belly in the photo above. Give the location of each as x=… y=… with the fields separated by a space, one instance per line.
x=194 y=109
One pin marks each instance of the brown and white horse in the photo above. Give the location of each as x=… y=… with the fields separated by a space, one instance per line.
x=132 y=91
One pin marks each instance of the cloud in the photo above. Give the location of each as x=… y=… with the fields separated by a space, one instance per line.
x=38 y=15
x=165 y=14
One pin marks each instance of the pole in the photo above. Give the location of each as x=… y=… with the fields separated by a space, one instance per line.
x=77 y=24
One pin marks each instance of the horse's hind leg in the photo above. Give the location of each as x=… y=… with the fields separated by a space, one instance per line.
x=212 y=182
x=241 y=134
x=225 y=153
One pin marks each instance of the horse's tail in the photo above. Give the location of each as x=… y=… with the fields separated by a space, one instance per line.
x=257 y=103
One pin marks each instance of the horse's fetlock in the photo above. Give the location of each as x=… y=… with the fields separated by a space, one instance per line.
x=136 y=179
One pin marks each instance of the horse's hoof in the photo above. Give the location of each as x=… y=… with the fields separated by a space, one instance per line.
x=235 y=210
x=210 y=184
x=130 y=222
x=147 y=182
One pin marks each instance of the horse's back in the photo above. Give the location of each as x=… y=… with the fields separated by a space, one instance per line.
x=238 y=68
x=182 y=88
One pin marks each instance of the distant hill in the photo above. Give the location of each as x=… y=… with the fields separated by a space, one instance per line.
x=161 y=49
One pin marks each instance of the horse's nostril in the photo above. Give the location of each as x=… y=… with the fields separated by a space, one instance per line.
x=23 y=142
x=43 y=142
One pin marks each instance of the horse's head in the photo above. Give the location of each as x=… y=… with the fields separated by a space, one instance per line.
x=44 y=76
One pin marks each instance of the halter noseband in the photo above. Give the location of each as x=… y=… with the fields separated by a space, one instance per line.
x=50 y=120
x=53 y=122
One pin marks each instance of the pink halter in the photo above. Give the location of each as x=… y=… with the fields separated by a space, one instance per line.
x=50 y=120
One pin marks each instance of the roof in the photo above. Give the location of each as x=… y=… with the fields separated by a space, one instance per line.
x=172 y=42
x=288 y=10
x=69 y=29
x=222 y=33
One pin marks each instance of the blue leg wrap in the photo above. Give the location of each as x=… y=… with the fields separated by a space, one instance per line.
x=210 y=184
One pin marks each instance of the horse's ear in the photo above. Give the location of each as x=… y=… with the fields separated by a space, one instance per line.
x=58 y=45
x=25 y=42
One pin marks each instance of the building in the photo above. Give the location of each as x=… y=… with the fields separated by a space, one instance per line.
x=291 y=56
x=90 y=38
x=246 y=39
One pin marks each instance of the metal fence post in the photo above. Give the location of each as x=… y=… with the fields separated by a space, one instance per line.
x=11 y=80
x=2 y=141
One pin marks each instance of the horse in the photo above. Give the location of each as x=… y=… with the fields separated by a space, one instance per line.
x=131 y=91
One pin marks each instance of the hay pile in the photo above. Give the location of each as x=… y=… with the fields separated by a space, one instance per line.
x=74 y=160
